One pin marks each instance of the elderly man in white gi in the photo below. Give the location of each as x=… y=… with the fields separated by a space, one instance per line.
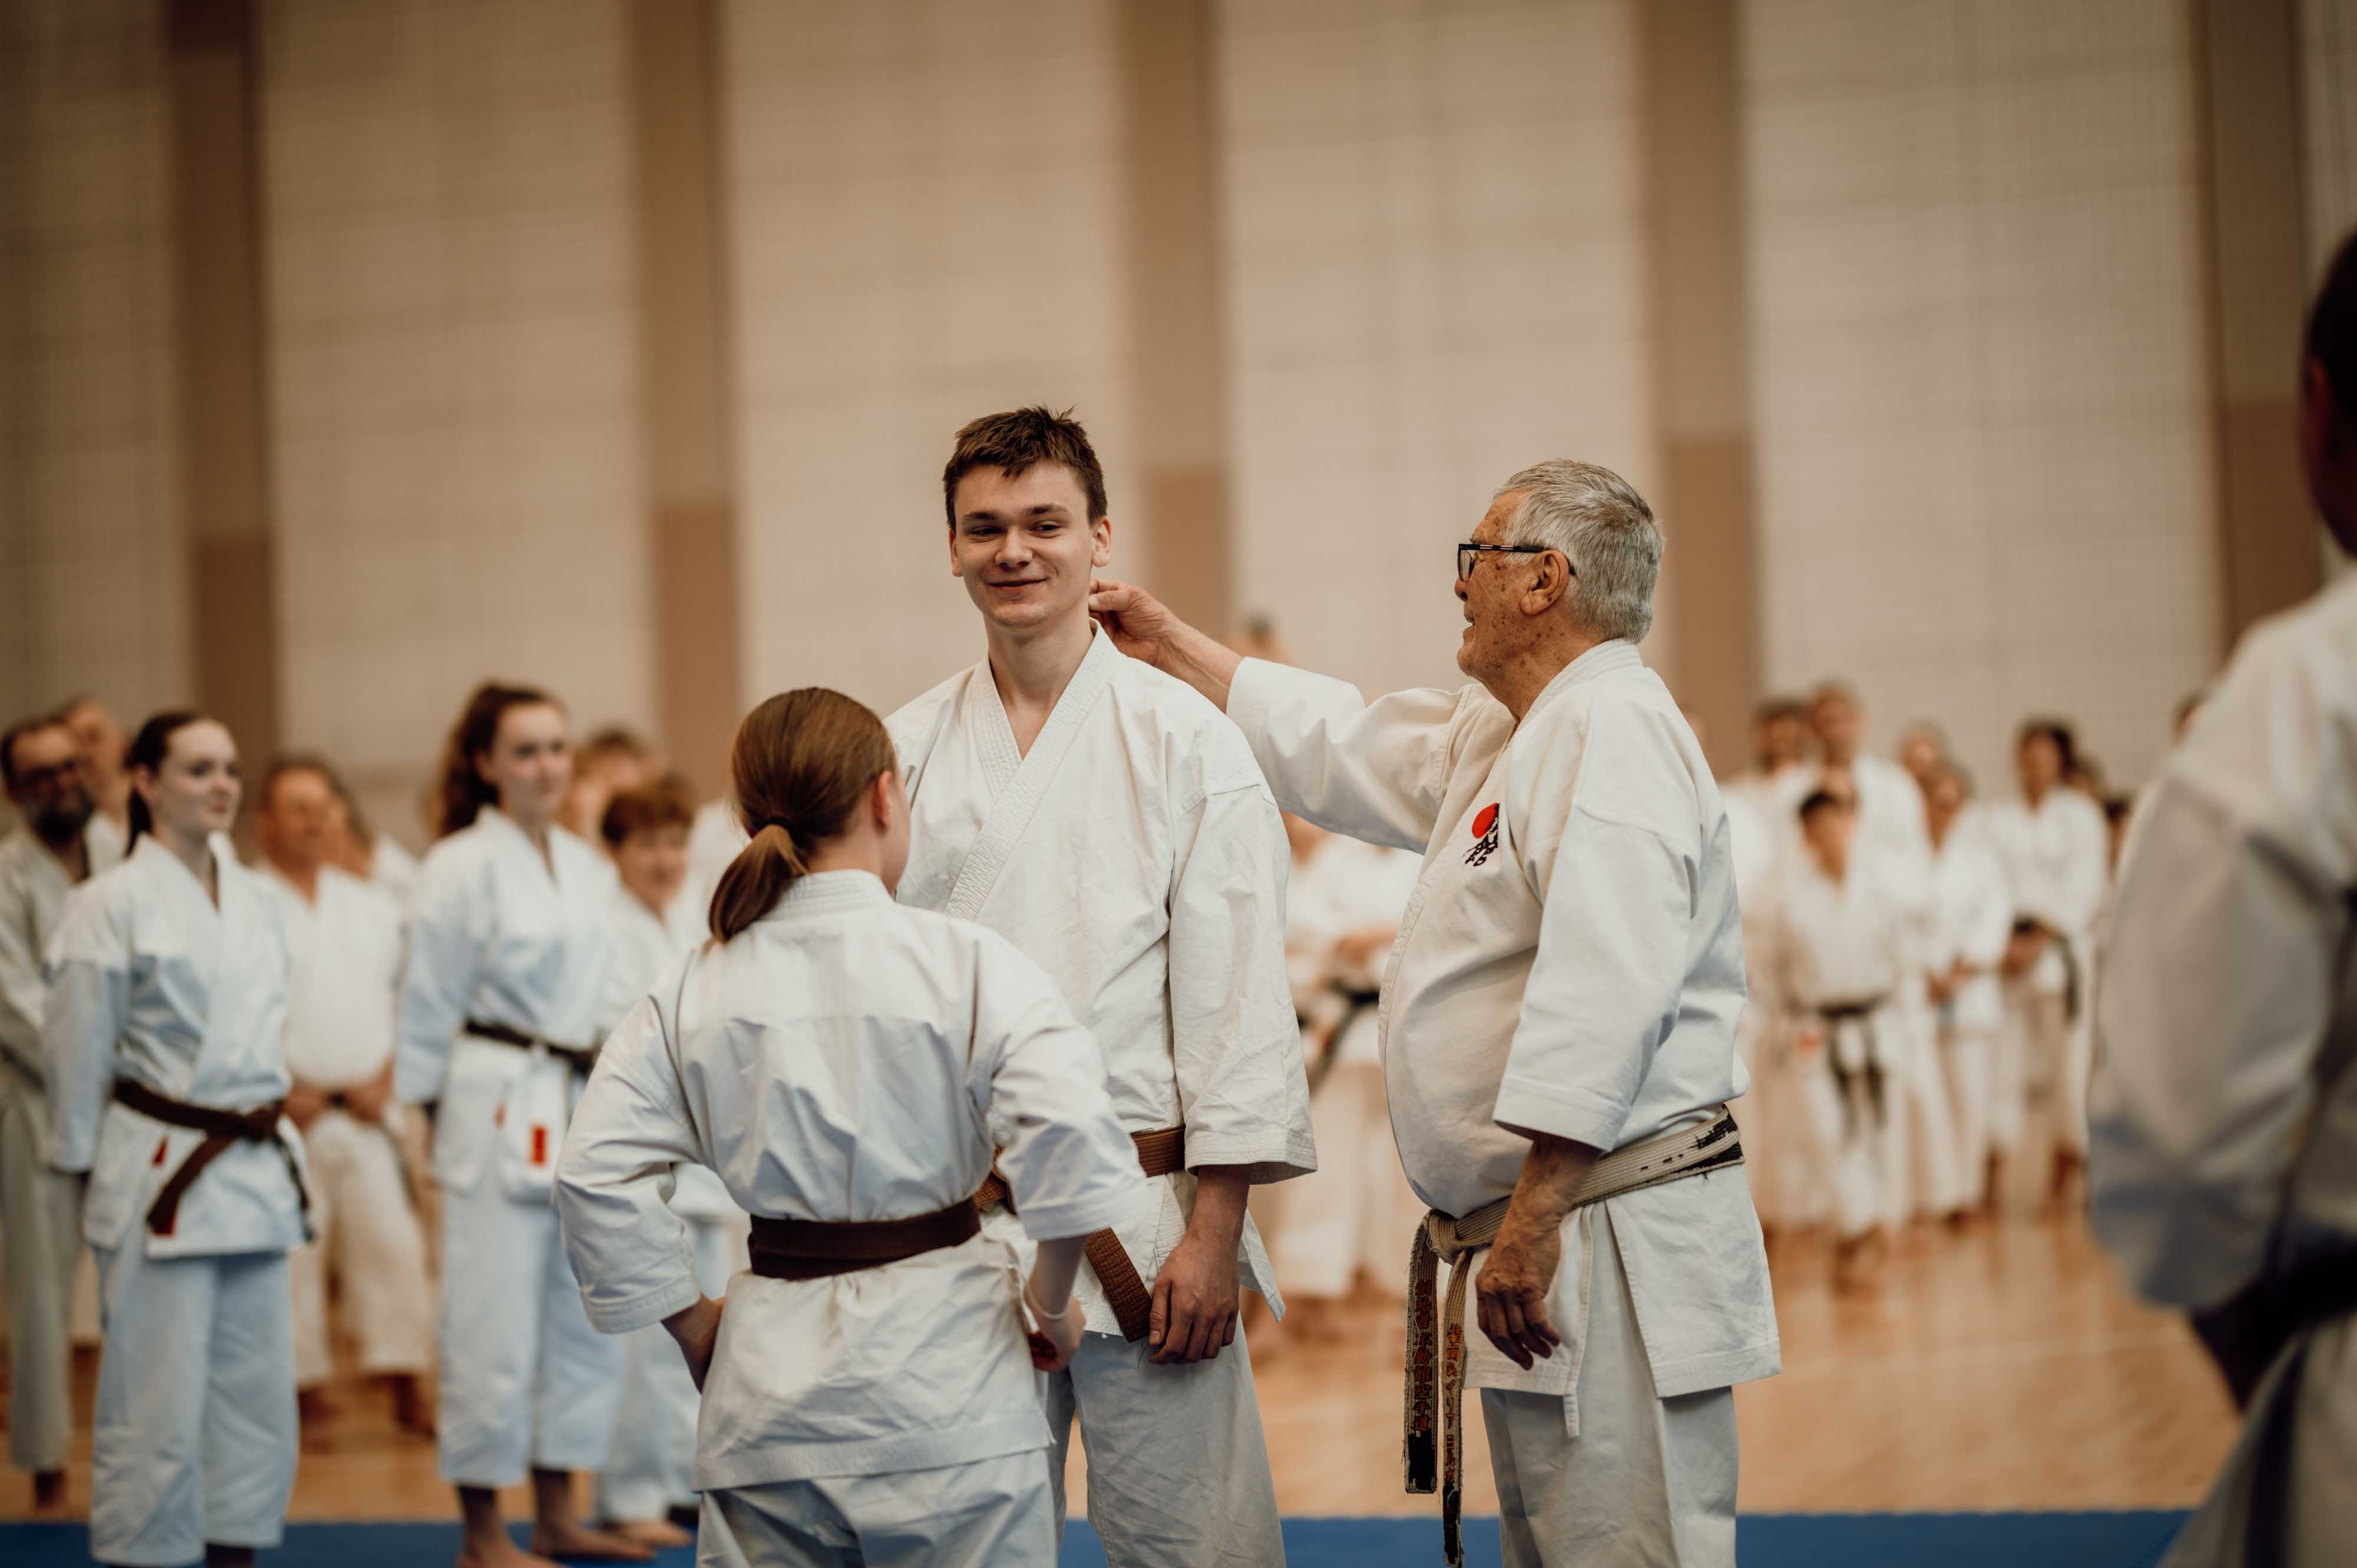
x=60 y=845
x=1110 y=824
x=2225 y=1109
x=1558 y=1031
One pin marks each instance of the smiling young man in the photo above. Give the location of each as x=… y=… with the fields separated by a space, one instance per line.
x=1558 y=1029
x=1113 y=825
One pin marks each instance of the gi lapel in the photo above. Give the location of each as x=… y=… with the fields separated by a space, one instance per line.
x=1021 y=784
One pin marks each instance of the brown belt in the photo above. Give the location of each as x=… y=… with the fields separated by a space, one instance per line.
x=818 y=1249
x=1161 y=1152
x=1435 y=1342
x=581 y=1058
x=220 y=1128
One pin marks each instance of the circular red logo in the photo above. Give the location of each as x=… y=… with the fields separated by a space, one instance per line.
x=1485 y=821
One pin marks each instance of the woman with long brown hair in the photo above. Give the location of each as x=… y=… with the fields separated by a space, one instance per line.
x=849 y=1065
x=509 y=941
x=167 y=1085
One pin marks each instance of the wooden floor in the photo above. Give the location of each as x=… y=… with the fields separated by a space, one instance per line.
x=2002 y=1368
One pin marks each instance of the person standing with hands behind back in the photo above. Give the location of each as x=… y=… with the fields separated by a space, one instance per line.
x=509 y=941
x=848 y=1066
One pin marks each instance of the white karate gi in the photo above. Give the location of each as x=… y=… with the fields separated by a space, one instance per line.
x=845 y=1058
x=651 y=1469
x=193 y=1439
x=1135 y=853
x=40 y=1207
x=1356 y=1213
x=1842 y=944
x=2225 y=1104
x=494 y=937
x=1771 y=1111
x=2056 y=861
x=392 y=870
x=347 y=950
x=1571 y=962
x=1972 y=919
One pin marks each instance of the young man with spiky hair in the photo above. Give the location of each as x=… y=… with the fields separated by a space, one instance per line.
x=1113 y=824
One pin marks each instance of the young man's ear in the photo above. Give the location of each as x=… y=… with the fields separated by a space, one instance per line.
x=1102 y=532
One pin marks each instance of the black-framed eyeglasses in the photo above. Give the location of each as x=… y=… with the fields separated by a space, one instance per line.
x=1470 y=552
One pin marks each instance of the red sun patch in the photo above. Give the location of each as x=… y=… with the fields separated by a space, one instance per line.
x=1485 y=821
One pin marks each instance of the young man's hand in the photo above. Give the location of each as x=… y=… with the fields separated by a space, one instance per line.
x=1196 y=1294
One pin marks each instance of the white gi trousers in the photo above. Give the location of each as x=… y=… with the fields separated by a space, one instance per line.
x=1934 y=1174
x=370 y=1234
x=525 y=1381
x=1966 y=1060
x=1614 y=1476
x=193 y=1439
x=990 y=1513
x=2288 y=1476
x=2037 y=1095
x=1858 y=1151
x=1178 y=1470
x=1356 y=1211
x=40 y=1247
x=651 y=1468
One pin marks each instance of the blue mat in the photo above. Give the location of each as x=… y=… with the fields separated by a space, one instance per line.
x=2130 y=1540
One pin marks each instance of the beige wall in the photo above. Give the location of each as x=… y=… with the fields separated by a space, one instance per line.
x=926 y=226
x=92 y=561
x=1984 y=445
x=1434 y=255
x=454 y=368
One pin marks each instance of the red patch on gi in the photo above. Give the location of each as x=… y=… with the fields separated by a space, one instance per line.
x=539 y=1145
x=1485 y=821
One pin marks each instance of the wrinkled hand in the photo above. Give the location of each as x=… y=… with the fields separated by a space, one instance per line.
x=1512 y=1291
x=1195 y=1302
x=697 y=1332
x=1138 y=623
x=367 y=1101
x=1054 y=1340
x=305 y=1105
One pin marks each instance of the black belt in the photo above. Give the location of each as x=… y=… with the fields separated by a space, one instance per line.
x=818 y=1249
x=2246 y=1334
x=1861 y=1012
x=221 y=1128
x=1356 y=1000
x=581 y=1058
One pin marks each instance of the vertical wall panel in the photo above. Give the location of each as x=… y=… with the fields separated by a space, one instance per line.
x=1435 y=275
x=94 y=567
x=454 y=370
x=927 y=225
x=1984 y=435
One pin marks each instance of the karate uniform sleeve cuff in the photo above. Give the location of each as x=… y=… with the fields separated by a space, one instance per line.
x=622 y=1316
x=1085 y=1217
x=1263 y=1159
x=1542 y=1107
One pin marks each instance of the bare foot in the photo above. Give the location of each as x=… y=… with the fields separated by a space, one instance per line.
x=413 y=1411
x=311 y=1407
x=658 y=1533
x=499 y=1551
x=49 y=1490
x=590 y=1545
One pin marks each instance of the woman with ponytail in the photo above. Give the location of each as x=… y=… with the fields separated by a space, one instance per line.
x=167 y=1086
x=509 y=941
x=848 y=1066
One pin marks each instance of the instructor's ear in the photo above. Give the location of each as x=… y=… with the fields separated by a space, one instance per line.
x=1550 y=586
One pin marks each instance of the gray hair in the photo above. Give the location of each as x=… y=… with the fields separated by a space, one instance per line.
x=1605 y=528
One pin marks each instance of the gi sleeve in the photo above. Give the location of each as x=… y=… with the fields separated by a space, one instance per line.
x=1617 y=902
x=615 y=1178
x=446 y=936
x=89 y=999
x=1234 y=1047
x=2214 y=991
x=1039 y=1083
x=1373 y=772
x=24 y=992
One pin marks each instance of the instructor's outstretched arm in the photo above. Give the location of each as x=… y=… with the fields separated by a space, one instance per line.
x=1143 y=626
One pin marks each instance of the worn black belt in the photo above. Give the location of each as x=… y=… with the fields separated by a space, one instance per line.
x=221 y=1128
x=817 y=1249
x=580 y=1057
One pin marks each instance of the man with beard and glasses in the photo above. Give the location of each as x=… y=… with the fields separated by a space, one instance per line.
x=61 y=842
